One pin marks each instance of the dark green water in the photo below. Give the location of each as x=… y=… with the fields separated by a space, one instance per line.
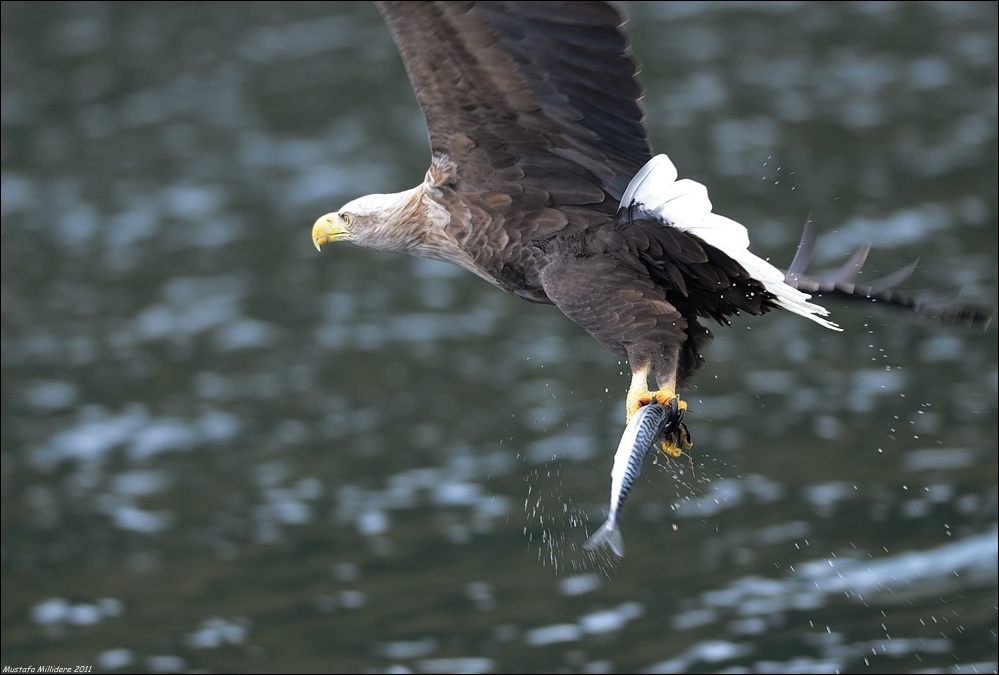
x=222 y=450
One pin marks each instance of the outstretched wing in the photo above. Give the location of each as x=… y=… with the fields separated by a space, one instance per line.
x=841 y=285
x=536 y=105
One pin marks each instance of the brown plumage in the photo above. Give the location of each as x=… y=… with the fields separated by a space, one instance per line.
x=536 y=135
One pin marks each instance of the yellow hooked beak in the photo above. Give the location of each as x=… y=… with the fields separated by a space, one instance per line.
x=329 y=228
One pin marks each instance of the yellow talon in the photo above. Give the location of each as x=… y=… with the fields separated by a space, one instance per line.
x=639 y=398
x=670 y=447
x=678 y=440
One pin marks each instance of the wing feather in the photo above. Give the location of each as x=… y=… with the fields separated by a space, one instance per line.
x=546 y=90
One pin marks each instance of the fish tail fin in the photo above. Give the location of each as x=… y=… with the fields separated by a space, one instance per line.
x=607 y=534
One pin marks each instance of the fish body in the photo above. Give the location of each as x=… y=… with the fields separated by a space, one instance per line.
x=646 y=427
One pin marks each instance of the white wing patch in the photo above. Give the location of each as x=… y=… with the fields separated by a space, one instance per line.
x=684 y=204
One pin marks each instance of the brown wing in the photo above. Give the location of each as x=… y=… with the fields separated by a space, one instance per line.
x=536 y=104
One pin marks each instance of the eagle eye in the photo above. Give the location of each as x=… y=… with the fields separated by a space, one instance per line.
x=346 y=218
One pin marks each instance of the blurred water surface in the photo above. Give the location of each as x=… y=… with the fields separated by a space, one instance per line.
x=222 y=450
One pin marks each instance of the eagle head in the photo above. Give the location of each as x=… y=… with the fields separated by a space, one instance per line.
x=380 y=222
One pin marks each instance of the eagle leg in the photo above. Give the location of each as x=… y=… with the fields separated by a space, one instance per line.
x=639 y=395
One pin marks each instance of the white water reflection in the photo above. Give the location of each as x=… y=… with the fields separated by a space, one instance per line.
x=114 y=659
x=752 y=604
x=217 y=632
x=98 y=433
x=59 y=610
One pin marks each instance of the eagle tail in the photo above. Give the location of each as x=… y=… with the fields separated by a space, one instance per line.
x=655 y=192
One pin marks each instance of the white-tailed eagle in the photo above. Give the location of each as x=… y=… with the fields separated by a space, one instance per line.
x=543 y=182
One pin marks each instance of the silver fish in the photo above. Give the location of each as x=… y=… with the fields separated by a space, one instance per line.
x=646 y=427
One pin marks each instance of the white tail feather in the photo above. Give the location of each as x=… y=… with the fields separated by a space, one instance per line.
x=684 y=204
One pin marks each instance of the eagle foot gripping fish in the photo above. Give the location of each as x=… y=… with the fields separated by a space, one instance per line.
x=650 y=425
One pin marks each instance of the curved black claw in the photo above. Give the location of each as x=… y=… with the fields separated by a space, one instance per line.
x=683 y=436
x=675 y=437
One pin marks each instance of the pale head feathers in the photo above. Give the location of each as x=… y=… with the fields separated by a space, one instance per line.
x=382 y=222
x=413 y=221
